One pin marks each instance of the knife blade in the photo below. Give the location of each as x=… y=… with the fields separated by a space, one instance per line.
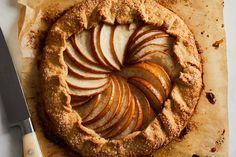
x=14 y=102
x=10 y=88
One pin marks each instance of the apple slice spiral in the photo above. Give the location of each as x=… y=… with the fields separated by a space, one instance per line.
x=119 y=74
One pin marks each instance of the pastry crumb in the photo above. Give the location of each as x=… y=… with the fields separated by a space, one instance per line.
x=217 y=43
x=213 y=149
x=211 y=97
x=223 y=132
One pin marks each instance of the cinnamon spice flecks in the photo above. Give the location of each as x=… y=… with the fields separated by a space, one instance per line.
x=169 y=3
x=211 y=97
x=36 y=39
x=216 y=44
x=221 y=139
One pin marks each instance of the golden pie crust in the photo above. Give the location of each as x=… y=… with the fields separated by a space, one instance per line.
x=63 y=122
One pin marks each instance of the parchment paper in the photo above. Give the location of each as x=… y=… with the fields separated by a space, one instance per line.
x=207 y=132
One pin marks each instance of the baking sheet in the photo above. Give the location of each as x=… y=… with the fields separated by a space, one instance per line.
x=207 y=134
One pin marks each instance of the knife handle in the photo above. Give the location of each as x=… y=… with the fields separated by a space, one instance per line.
x=31 y=146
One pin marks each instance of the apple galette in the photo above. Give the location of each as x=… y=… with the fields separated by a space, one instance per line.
x=119 y=78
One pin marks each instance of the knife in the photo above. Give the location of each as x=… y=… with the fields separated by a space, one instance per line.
x=14 y=101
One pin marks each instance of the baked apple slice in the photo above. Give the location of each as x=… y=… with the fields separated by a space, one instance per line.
x=104 y=105
x=140 y=117
x=85 y=109
x=166 y=61
x=116 y=106
x=147 y=111
x=145 y=50
x=87 y=92
x=105 y=44
x=122 y=125
x=120 y=36
x=140 y=70
x=97 y=48
x=153 y=95
x=160 y=74
x=163 y=44
x=78 y=101
x=83 y=44
x=82 y=83
x=75 y=57
x=162 y=39
x=135 y=123
x=80 y=71
x=144 y=35
x=139 y=29
x=148 y=36
x=120 y=115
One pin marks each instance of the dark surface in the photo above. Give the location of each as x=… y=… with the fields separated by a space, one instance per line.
x=11 y=94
